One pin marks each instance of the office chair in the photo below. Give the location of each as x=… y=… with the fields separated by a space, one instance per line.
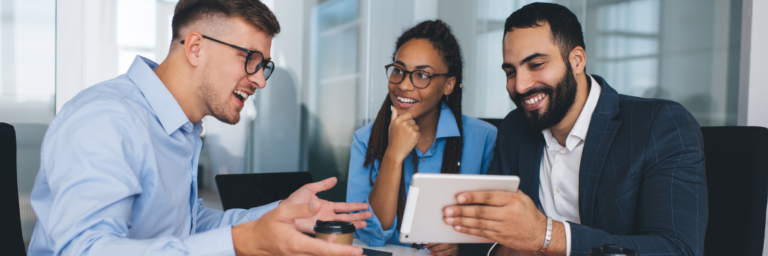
x=11 y=240
x=737 y=179
x=250 y=190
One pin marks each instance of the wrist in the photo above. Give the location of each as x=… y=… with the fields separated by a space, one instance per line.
x=237 y=235
x=393 y=158
x=558 y=244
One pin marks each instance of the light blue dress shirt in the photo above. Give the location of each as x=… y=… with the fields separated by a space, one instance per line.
x=479 y=140
x=118 y=176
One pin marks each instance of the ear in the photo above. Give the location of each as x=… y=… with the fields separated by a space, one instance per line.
x=449 y=83
x=578 y=59
x=192 y=44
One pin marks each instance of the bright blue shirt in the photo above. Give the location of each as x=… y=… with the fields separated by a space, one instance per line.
x=479 y=140
x=118 y=176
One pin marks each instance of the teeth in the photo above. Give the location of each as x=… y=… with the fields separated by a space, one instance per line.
x=534 y=100
x=241 y=94
x=405 y=100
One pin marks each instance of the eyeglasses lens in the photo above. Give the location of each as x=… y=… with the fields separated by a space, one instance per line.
x=395 y=74
x=268 y=70
x=254 y=63
x=420 y=78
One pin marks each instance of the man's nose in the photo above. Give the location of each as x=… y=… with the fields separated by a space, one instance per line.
x=523 y=82
x=257 y=79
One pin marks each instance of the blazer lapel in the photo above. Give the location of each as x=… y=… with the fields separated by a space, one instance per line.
x=602 y=129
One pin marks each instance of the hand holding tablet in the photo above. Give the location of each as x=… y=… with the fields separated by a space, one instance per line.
x=430 y=194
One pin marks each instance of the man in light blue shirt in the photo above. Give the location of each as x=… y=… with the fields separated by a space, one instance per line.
x=119 y=162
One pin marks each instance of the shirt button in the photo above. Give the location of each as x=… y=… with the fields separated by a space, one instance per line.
x=189 y=136
x=424 y=159
x=186 y=125
x=560 y=154
x=558 y=190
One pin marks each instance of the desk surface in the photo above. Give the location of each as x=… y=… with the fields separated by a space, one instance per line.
x=394 y=249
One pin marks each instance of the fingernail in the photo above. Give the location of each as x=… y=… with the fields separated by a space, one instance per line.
x=461 y=199
x=433 y=253
x=457 y=228
x=449 y=212
x=449 y=220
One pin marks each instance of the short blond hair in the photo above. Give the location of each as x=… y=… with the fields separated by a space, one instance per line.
x=252 y=11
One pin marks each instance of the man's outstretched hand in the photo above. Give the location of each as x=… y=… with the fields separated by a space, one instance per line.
x=275 y=234
x=327 y=211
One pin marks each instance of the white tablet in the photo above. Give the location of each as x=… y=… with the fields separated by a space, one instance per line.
x=430 y=193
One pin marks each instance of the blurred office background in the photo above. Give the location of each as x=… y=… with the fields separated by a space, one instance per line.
x=330 y=78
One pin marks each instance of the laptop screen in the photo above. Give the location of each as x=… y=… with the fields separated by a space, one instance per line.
x=256 y=189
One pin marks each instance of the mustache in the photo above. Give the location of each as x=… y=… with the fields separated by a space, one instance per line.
x=546 y=89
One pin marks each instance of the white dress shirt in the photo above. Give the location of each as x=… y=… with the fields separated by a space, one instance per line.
x=559 y=171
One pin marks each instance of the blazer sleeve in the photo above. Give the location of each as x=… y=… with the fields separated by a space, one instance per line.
x=672 y=205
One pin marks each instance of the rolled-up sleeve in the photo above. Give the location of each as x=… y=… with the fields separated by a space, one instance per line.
x=358 y=189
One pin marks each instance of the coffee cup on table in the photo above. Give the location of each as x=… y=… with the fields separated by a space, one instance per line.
x=344 y=231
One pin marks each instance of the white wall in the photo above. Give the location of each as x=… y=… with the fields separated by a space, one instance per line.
x=757 y=112
x=86 y=45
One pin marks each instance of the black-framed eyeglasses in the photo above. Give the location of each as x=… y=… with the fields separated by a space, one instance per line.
x=252 y=65
x=419 y=78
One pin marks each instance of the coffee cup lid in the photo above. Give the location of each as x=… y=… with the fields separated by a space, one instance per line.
x=334 y=227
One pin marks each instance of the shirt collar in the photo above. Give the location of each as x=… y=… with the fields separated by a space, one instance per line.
x=581 y=127
x=447 y=126
x=162 y=102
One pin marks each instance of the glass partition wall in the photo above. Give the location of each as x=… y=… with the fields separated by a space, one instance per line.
x=27 y=87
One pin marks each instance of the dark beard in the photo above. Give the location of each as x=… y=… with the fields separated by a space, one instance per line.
x=561 y=99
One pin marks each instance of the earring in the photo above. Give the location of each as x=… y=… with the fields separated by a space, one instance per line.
x=461 y=85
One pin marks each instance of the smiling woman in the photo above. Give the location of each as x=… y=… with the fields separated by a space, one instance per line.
x=419 y=128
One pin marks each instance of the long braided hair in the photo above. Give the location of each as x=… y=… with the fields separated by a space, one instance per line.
x=439 y=34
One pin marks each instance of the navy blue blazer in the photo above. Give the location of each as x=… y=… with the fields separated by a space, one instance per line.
x=642 y=182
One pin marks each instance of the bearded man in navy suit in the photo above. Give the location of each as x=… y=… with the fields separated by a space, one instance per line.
x=596 y=167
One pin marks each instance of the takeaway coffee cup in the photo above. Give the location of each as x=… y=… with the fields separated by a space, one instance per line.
x=612 y=250
x=344 y=231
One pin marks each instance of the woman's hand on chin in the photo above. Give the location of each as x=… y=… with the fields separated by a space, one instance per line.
x=403 y=135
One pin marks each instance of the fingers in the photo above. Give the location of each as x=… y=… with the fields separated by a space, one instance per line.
x=349 y=207
x=312 y=246
x=360 y=224
x=360 y=216
x=297 y=211
x=495 y=198
x=475 y=211
x=321 y=186
x=331 y=238
x=476 y=232
x=489 y=225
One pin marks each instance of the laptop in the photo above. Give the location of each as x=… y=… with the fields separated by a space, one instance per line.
x=256 y=189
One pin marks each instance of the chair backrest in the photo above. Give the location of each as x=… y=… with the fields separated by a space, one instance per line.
x=11 y=241
x=737 y=180
x=256 y=189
